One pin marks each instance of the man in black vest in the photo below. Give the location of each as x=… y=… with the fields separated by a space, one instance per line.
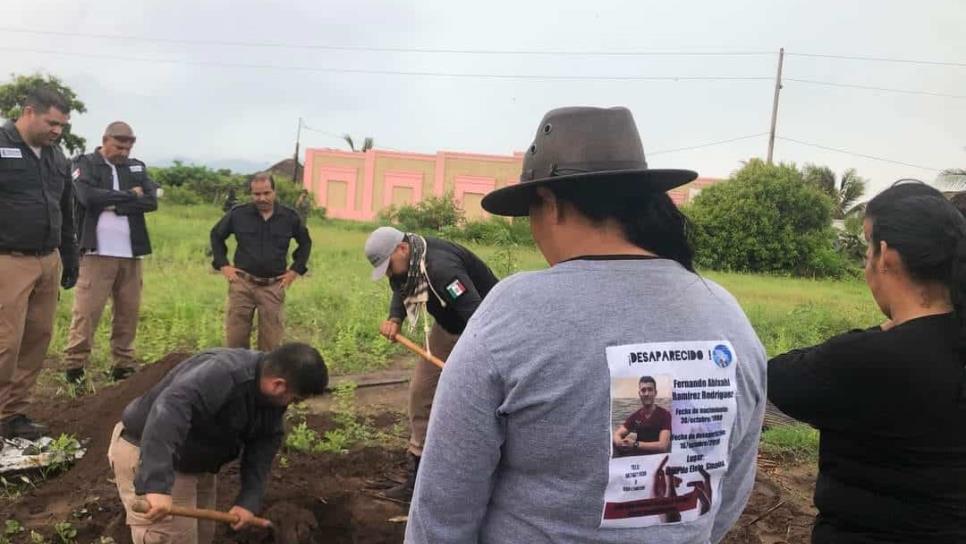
x=113 y=193
x=38 y=252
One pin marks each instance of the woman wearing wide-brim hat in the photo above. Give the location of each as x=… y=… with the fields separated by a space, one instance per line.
x=523 y=443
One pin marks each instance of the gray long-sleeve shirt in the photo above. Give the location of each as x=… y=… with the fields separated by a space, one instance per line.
x=520 y=438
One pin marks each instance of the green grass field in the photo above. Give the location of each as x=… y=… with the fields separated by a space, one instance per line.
x=338 y=309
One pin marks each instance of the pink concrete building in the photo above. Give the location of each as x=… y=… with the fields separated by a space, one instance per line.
x=357 y=186
x=686 y=193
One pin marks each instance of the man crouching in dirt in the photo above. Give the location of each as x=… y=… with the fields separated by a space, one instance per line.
x=172 y=441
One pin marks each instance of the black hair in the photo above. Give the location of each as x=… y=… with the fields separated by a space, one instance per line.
x=42 y=98
x=301 y=366
x=650 y=220
x=646 y=379
x=261 y=176
x=929 y=233
x=959 y=200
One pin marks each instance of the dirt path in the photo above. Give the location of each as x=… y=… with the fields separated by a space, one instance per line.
x=331 y=488
x=780 y=509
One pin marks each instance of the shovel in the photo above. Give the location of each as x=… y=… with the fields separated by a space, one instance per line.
x=141 y=506
x=415 y=348
x=295 y=525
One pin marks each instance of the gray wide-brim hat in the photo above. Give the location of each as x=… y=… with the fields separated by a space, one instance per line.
x=583 y=145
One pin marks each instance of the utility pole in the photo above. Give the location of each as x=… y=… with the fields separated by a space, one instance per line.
x=774 y=106
x=295 y=167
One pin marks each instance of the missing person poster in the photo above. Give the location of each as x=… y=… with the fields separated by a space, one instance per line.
x=672 y=409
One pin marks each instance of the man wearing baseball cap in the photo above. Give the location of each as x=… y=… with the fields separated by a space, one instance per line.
x=113 y=193
x=426 y=275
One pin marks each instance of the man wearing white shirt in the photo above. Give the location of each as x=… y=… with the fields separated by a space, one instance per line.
x=113 y=194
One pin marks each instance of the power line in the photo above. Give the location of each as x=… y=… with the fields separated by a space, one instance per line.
x=425 y=50
x=457 y=75
x=880 y=59
x=342 y=138
x=387 y=72
x=587 y=53
x=863 y=155
x=330 y=134
x=709 y=144
x=871 y=88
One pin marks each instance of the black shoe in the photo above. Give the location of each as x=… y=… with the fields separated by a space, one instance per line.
x=75 y=376
x=20 y=426
x=404 y=491
x=119 y=373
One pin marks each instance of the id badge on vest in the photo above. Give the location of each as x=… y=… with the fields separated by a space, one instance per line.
x=672 y=410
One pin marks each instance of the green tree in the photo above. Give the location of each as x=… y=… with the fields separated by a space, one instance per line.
x=429 y=214
x=194 y=184
x=845 y=191
x=766 y=219
x=209 y=185
x=850 y=239
x=13 y=93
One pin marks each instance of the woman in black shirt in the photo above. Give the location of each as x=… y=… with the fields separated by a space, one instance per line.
x=890 y=401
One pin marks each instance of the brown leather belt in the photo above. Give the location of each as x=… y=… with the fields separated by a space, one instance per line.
x=258 y=280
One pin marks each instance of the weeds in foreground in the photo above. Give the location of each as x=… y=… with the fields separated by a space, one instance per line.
x=62 y=451
x=11 y=528
x=66 y=533
x=350 y=429
x=797 y=443
x=11 y=489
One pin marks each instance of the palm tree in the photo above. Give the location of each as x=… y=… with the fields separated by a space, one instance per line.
x=844 y=192
x=367 y=143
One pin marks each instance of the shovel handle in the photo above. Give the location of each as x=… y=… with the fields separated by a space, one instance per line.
x=141 y=506
x=415 y=348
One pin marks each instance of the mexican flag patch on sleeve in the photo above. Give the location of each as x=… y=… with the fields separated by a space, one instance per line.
x=455 y=289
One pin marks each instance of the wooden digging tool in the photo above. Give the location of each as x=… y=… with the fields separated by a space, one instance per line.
x=141 y=506
x=415 y=348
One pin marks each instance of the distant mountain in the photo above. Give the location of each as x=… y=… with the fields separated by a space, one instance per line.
x=239 y=166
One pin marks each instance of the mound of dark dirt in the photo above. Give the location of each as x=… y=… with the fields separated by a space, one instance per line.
x=85 y=488
x=316 y=496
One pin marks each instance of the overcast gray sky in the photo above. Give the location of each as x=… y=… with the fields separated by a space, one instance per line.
x=207 y=108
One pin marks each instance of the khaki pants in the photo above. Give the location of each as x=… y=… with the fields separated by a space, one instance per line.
x=119 y=279
x=28 y=298
x=190 y=490
x=244 y=298
x=422 y=388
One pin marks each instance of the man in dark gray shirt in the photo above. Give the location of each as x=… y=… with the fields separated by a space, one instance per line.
x=209 y=410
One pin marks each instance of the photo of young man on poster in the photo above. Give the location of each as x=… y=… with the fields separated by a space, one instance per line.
x=647 y=430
